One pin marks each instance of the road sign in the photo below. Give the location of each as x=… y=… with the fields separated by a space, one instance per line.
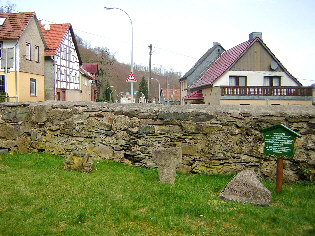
x=131 y=78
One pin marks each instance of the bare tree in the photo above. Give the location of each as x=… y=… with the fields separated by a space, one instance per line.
x=8 y=7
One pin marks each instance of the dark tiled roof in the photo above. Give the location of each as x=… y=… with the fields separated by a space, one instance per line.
x=90 y=67
x=14 y=24
x=87 y=74
x=204 y=57
x=222 y=64
x=196 y=95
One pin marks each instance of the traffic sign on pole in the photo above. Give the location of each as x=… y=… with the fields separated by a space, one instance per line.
x=131 y=78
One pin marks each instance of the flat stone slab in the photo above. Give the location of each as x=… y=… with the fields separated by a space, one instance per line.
x=79 y=162
x=245 y=187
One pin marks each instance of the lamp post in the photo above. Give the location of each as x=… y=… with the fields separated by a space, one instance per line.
x=159 y=89
x=110 y=94
x=131 y=63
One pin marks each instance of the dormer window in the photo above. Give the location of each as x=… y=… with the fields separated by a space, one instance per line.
x=2 y=20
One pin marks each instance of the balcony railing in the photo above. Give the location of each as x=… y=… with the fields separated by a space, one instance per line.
x=265 y=91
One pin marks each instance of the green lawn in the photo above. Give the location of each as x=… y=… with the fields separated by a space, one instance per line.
x=37 y=197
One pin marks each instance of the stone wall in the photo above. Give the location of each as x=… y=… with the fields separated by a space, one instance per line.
x=214 y=139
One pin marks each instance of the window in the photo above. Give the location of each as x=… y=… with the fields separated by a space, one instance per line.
x=37 y=53
x=238 y=81
x=2 y=20
x=273 y=81
x=28 y=51
x=2 y=84
x=33 y=87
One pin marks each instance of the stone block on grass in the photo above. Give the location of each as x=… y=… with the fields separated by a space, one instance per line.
x=79 y=162
x=167 y=160
x=245 y=187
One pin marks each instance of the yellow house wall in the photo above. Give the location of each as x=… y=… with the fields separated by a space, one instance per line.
x=183 y=91
x=211 y=96
x=10 y=85
x=24 y=94
x=85 y=87
x=257 y=58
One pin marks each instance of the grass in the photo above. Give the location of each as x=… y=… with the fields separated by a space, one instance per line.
x=38 y=198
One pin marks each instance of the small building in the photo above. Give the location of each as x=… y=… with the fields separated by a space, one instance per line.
x=22 y=48
x=126 y=98
x=248 y=74
x=86 y=81
x=92 y=68
x=199 y=69
x=62 y=63
x=170 y=96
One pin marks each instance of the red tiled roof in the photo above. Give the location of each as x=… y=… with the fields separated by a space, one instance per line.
x=14 y=25
x=90 y=67
x=54 y=36
x=196 y=95
x=222 y=64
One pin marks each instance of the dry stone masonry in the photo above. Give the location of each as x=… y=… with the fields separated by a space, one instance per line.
x=213 y=139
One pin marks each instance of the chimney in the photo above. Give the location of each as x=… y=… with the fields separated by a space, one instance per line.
x=215 y=44
x=47 y=27
x=253 y=35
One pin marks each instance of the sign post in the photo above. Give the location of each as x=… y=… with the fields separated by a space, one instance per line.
x=279 y=142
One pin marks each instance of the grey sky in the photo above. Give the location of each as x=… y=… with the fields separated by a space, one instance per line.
x=182 y=30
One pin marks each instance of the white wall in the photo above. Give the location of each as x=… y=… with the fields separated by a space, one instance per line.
x=67 y=66
x=255 y=78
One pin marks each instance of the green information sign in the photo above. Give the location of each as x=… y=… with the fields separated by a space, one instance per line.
x=279 y=140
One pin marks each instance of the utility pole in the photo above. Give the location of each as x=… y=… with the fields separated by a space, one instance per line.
x=149 y=80
x=167 y=92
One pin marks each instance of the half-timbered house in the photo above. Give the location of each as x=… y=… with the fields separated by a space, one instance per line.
x=62 y=63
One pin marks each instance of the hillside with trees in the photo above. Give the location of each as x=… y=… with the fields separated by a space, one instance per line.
x=113 y=74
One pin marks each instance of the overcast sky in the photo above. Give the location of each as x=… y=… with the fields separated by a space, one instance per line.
x=181 y=31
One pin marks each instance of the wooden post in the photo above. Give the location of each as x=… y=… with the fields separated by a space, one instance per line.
x=279 y=175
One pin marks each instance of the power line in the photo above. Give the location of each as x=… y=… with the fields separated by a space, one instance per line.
x=124 y=41
x=177 y=53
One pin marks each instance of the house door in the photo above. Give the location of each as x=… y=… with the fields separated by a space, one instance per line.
x=61 y=95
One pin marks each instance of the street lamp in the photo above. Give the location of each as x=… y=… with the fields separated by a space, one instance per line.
x=131 y=64
x=159 y=89
x=110 y=94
